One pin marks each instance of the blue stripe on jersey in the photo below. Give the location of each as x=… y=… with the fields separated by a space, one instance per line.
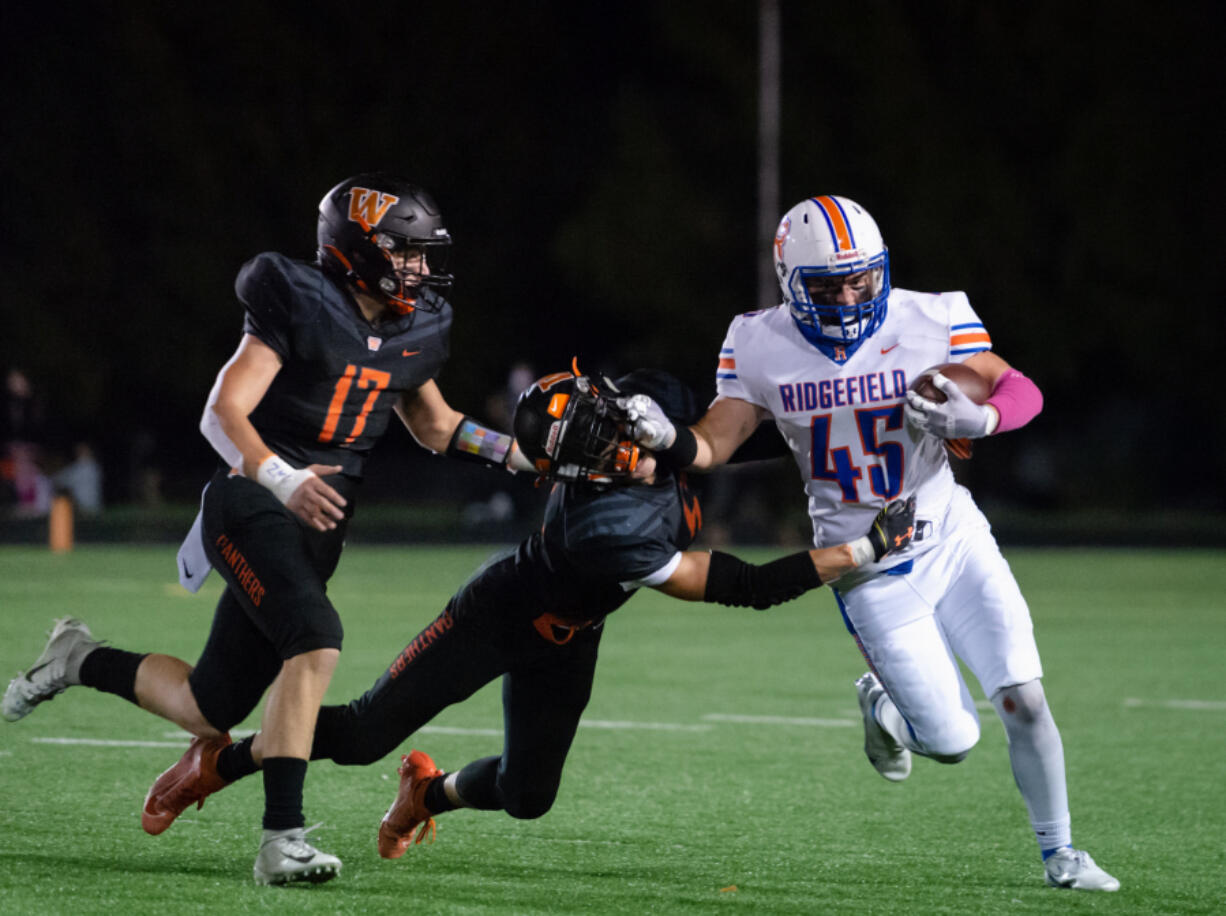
x=727 y=351
x=961 y=350
x=725 y=375
x=969 y=324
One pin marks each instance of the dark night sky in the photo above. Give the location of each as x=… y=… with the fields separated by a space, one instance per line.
x=597 y=166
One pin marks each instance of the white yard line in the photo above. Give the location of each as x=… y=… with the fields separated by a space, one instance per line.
x=649 y=726
x=1203 y=705
x=99 y=742
x=779 y=720
x=181 y=738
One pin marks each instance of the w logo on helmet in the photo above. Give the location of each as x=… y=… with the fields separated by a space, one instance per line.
x=367 y=207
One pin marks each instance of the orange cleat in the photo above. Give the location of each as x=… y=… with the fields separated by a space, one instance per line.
x=409 y=810
x=190 y=781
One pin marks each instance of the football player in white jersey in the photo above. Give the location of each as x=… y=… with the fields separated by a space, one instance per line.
x=831 y=366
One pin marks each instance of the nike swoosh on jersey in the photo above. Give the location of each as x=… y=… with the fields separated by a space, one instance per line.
x=885 y=350
x=409 y=352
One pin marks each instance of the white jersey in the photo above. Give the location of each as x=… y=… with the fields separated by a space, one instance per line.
x=844 y=422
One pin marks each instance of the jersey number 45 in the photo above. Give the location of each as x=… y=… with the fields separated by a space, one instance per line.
x=838 y=464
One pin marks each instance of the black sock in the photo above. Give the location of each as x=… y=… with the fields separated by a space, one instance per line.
x=436 y=799
x=477 y=784
x=112 y=671
x=234 y=761
x=283 y=779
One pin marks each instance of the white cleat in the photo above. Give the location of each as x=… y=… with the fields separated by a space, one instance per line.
x=57 y=669
x=286 y=857
x=888 y=757
x=1073 y=868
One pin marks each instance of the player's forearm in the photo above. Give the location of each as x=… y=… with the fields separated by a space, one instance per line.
x=431 y=428
x=694 y=449
x=832 y=562
x=725 y=428
x=233 y=436
x=707 y=456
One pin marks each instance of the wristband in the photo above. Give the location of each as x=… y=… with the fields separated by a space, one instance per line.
x=275 y=474
x=473 y=442
x=862 y=551
x=683 y=451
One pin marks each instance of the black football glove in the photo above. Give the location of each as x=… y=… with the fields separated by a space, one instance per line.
x=893 y=527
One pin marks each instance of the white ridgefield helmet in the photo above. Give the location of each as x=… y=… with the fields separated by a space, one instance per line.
x=821 y=241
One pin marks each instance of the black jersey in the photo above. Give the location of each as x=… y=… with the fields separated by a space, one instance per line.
x=593 y=541
x=340 y=375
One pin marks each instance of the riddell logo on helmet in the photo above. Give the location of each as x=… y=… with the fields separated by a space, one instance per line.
x=781 y=236
x=367 y=207
x=551 y=440
x=848 y=255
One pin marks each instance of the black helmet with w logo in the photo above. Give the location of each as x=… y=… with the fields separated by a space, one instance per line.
x=386 y=237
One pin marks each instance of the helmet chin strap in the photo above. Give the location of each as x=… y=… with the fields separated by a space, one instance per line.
x=836 y=352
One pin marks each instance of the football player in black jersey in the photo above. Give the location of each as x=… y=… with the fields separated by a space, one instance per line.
x=535 y=615
x=329 y=350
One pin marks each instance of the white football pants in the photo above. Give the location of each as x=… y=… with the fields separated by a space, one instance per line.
x=958 y=601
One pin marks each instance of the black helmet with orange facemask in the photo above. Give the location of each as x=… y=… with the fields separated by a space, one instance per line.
x=572 y=430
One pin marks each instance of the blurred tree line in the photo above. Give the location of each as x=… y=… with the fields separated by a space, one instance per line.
x=596 y=163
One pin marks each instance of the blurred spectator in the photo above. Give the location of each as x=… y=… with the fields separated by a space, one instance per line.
x=22 y=429
x=144 y=476
x=500 y=405
x=82 y=480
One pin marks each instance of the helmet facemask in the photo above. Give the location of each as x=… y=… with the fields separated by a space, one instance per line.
x=574 y=432
x=834 y=270
x=411 y=266
x=819 y=301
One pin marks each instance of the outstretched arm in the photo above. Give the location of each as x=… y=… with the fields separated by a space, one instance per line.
x=724 y=579
x=707 y=444
x=434 y=424
x=428 y=417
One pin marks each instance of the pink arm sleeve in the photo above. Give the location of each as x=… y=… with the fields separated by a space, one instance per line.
x=1017 y=399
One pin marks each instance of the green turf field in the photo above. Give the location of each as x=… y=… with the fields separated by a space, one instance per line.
x=720 y=767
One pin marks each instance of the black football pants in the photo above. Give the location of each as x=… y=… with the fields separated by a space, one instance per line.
x=275 y=605
x=545 y=688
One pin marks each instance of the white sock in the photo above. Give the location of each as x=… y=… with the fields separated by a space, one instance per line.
x=889 y=718
x=1037 y=756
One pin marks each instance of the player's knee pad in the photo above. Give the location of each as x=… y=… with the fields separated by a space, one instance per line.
x=951 y=758
x=953 y=741
x=315 y=625
x=1024 y=703
x=1022 y=707
x=528 y=804
x=359 y=753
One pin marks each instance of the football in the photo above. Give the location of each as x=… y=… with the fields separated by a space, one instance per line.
x=973 y=385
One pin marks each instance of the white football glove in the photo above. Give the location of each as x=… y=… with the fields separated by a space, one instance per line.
x=956 y=418
x=648 y=424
